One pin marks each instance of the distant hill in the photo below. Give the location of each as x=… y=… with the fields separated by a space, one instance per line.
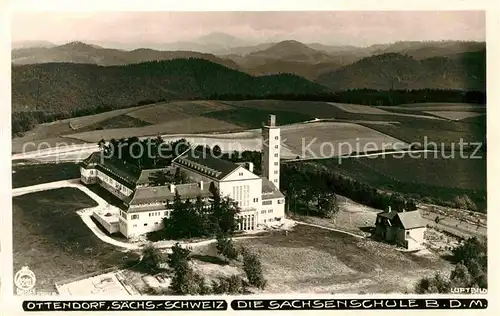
x=312 y=60
x=79 y=52
x=427 y=49
x=31 y=44
x=66 y=87
x=292 y=51
x=303 y=69
x=465 y=71
x=286 y=57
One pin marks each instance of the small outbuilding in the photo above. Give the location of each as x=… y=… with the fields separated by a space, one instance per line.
x=404 y=228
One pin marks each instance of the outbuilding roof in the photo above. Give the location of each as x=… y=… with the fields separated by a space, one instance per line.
x=411 y=220
x=408 y=220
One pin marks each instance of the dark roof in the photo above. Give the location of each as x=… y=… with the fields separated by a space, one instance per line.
x=411 y=219
x=204 y=163
x=269 y=190
x=388 y=215
x=129 y=173
x=91 y=160
x=161 y=194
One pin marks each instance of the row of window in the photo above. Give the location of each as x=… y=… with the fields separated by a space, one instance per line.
x=266 y=211
x=146 y=224
x=270 y=202
x=136 y=216
x=112 y=182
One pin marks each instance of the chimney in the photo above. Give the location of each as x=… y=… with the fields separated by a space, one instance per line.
x=250 y=167
x=172 y=188
x=272 y=120
x=201 y=185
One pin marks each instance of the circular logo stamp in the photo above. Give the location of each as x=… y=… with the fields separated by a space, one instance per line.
x=24 y=280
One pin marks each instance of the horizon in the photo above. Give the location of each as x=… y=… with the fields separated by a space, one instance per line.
x=236 y=29
x=103 y=45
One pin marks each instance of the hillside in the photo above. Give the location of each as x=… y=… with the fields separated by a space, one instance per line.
x=303 y=69
x=67 y=87
x=79 y=52
x=465 y=71
x=427 y=49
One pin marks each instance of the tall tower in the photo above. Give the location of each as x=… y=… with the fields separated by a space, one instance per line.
x=271 y=151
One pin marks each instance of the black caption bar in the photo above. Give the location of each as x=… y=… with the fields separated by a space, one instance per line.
x=343 y=304
x=128 y=305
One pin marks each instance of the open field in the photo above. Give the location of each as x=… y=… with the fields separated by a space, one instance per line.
x=83 y=121
x=20 y=145
x=190 y=125
x=358 y=108
x=437 y=107
x=158 y=114
x=329 y=139
x=52 y=240
x=120 y=121
x=365 y=109
x=333 y=262
x=31 y=174
x=169 y=111
x=190 y=117
x=437 y=178
x=454 y=115
x=253 y=118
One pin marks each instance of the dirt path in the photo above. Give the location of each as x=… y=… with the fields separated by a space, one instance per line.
x=329 y=228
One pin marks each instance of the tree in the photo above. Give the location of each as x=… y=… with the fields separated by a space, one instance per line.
x=253 y=269
x=185 y=281
x=437 y=284
x=101 y=144
x=179 y=176
x=151 y=259
x=178 y=257
x=223 y=212
x=327 y=205
x=225 y=247
x=160 y=177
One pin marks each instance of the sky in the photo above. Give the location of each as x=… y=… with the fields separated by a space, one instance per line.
x=359 y=28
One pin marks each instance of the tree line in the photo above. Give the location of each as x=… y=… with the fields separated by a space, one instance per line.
x=147 y=153
x=305 y=186
x=371 y=96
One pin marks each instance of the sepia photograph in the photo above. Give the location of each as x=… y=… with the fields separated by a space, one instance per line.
x=169 y=153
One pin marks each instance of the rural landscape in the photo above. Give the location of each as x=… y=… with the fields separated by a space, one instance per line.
x=393 y=132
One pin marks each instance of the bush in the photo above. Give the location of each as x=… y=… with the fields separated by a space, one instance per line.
x=253 y=269
x=229 y=285
x=471 y=269
x=225 y=247
x=151 y=259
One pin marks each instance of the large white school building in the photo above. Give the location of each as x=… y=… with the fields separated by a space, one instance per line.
x=144 y=205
